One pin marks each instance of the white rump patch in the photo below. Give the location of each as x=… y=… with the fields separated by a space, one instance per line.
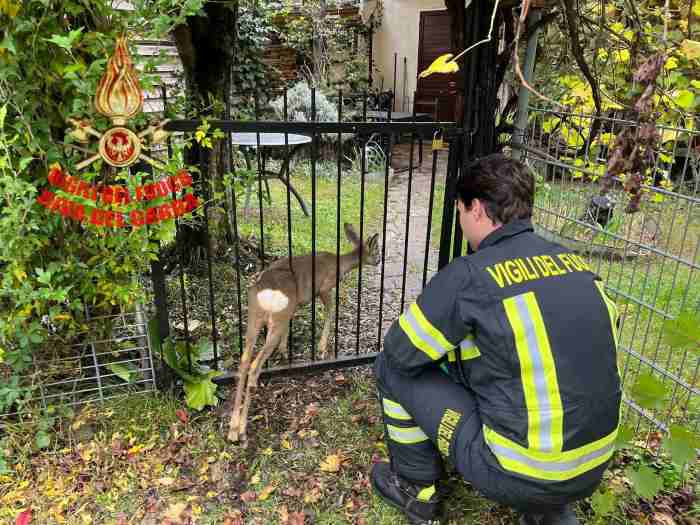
x=272 y=301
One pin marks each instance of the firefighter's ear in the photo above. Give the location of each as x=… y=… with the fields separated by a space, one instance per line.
x=479 y=210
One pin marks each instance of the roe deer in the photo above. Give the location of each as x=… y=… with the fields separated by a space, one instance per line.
x=274 y=294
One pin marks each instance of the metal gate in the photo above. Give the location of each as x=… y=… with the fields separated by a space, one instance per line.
x=386 y=177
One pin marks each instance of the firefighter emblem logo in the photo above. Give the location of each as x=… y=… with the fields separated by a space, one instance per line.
x=120 y=147
x=119 y=98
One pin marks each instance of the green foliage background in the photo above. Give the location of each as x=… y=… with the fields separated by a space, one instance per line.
x=52 y=54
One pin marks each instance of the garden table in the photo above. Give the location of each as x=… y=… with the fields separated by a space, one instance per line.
x=274 y=140
x=401 y=116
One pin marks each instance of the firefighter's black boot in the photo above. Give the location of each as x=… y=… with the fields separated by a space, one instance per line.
x=420 y=504
x=561 y=516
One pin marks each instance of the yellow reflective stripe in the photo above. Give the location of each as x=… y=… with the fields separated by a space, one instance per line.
x=556 y=414
x=406 y=436
x=526 y=372
x=394 y=410
x=468 y=349
x=551 y=466
x=612 y=310
x=422 y=334
x=538 y=373
x=426 y=493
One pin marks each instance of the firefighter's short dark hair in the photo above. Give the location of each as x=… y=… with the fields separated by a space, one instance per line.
x=505 y=186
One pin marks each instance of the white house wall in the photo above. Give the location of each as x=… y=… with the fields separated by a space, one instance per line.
x=399 y=34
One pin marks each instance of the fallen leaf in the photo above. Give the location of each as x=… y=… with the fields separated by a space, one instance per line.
x=297 y=518
x=292 y=492
x=265 y=493
x=313 y=495
x=249 y=496
x=333 y=462
x=311 y=410
x=284 y=515
x=659 y=518
x=175 y=511
x=234 y=517
x=182 y=415
x=166 y=481
x=24 y=517
x=151 y=504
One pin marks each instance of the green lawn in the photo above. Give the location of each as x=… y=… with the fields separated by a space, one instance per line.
x=274 y=216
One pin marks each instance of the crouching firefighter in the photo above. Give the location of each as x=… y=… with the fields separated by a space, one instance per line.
x=505 y=366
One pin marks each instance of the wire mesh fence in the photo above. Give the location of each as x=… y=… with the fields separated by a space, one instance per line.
x=112 y=359
x=649 y=260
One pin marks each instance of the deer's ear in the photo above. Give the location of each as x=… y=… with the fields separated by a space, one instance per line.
x=351 y=235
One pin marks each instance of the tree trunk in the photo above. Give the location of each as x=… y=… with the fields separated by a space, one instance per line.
x=206 y=47
x=318 y=44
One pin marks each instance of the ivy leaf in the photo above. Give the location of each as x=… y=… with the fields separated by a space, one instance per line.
x=685 y=99
x=645 y=481
x=9 y=44
x=66 y=42
x=683 y=332
x=24 y=162
x=43 y=276
x=603 y=503
x=624 y=438
x=123 y=371
x=682 y=445
x=202 y=392
x=42 y=439
x=649 y=392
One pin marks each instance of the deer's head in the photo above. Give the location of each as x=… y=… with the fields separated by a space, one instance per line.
x=369 y=251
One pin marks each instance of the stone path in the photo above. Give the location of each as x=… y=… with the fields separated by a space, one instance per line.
x=418 y=229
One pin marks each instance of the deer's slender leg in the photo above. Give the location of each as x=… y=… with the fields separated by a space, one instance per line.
x=276 y=331
x=328 y=313
x=284 y=344
x=256 y=320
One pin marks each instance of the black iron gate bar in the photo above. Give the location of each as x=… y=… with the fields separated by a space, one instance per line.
x=448 y=130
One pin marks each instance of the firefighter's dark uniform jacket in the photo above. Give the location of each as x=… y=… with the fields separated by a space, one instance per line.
x=526 y=327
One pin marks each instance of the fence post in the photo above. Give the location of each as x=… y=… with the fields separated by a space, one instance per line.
x=524 y=93
x=164 y=377
x=448 y=207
